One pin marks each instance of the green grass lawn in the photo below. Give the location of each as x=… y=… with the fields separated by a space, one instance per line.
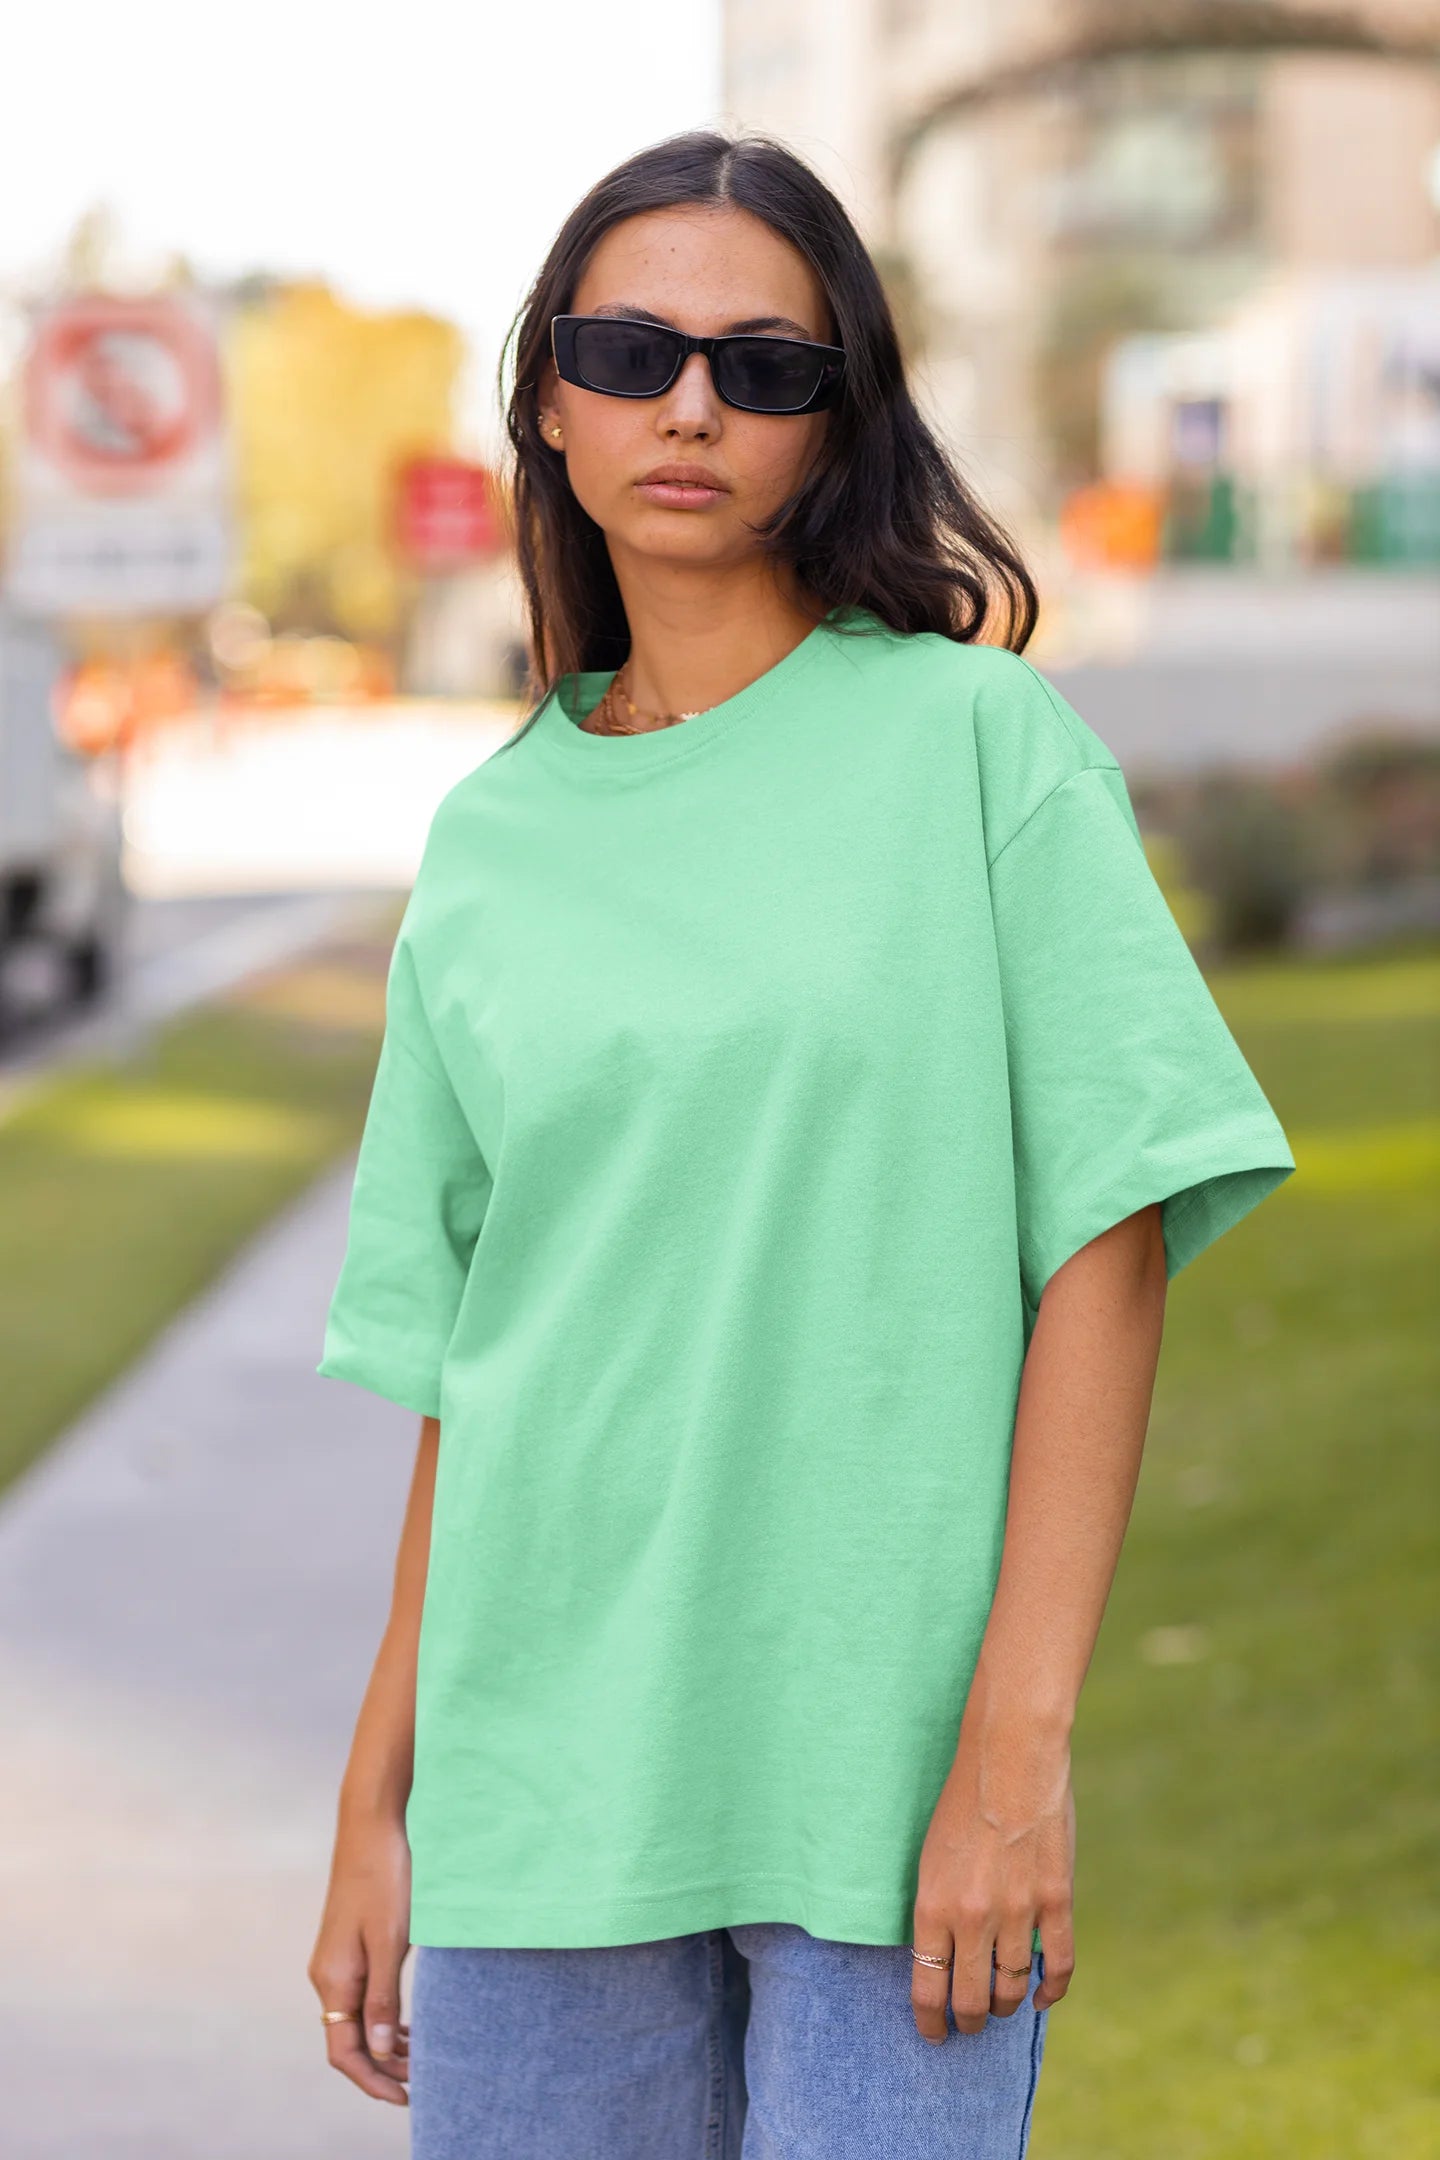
x=125 y=1185
x=1257 y=1924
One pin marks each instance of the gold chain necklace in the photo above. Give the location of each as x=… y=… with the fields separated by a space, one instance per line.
x=605 y=720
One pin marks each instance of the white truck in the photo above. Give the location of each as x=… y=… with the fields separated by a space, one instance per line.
x=62 y=885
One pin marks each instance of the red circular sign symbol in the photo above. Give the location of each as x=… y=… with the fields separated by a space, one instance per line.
x=119 y=391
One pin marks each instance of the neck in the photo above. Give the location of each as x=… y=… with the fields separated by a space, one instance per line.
x=698 y=641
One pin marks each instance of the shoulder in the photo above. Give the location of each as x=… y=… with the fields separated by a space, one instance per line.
x=1026 y=737
x=1007 y=695
x=1002 y=692
x=458 y=818
x=444 y=885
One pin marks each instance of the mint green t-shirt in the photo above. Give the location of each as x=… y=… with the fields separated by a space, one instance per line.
x=742 y=1085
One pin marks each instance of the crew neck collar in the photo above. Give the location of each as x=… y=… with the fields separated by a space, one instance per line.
x=557 y=723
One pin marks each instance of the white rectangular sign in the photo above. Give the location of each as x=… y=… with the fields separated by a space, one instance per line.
x=122 y=495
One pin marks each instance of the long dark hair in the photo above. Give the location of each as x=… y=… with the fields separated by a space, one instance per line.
x=882 y=521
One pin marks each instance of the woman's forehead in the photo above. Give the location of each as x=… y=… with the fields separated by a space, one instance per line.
x=705 y=270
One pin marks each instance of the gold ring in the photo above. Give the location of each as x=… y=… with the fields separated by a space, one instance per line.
x=943 y=1962
x=1016 y=1972
x=339 y=2017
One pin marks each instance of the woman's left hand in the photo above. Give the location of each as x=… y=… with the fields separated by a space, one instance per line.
x=998 y=1860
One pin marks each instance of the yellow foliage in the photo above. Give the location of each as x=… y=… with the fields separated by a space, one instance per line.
x=326 y=404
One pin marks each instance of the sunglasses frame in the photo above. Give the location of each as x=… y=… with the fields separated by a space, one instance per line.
x=562 y=347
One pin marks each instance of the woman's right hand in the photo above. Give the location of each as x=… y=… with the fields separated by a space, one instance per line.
x=363 y=1939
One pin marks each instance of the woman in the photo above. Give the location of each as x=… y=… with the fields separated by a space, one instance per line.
x=795 y=1097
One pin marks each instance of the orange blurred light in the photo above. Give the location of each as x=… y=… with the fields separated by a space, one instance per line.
x=1112 y=525
x=105 y=704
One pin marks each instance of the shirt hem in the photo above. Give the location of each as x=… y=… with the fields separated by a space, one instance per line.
x=409 y=1391
x=656 y=1915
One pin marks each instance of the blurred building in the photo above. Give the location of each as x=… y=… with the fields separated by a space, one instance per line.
x=1303 y=430
x=1042 y=179
x=1166 y=272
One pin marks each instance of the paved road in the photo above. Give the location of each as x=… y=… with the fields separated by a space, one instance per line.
x=192 y=1584
x=247 y=837
x=174 y=954
x=1204 y=664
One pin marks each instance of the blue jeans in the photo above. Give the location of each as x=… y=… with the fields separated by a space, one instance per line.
x=755 y=2042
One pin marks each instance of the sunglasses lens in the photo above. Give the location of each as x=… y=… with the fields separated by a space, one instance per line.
x=627 y=358
x=771 y=374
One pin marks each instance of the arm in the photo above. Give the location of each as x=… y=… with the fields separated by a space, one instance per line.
x=999 y=1853
x=365 y=1928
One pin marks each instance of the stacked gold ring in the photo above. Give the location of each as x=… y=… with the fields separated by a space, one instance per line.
x=1015 y=1972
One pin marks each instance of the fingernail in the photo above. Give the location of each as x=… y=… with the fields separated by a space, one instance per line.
x=382 y=2039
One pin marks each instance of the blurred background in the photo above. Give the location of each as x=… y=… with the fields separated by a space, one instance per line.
x=1168 y=277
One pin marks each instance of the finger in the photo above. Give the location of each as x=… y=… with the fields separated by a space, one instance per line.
x=970 y=1984
x=384 y=1957
x=1057 y=1958
x=399 y=2063
x=339 y=1981
x=930 y=1984
x=349 y=2055
x=1008 y=1989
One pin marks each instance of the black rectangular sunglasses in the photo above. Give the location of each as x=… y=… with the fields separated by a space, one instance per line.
x=621 y=356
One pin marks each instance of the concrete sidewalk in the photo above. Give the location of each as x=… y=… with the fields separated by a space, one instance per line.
x=192 y=1587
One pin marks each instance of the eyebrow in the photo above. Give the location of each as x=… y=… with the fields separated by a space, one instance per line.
x=747 y=326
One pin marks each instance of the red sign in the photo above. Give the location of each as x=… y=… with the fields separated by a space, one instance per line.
x=447 y=514
x=119 y=393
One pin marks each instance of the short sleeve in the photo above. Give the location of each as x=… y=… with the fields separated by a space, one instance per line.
x=1126 y=1084
x=417 y=1202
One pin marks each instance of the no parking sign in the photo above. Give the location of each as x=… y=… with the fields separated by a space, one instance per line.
x=122 y=482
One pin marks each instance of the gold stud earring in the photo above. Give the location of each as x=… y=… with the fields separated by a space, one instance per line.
x=554 y=431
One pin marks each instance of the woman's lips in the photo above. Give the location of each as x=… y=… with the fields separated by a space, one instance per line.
x=679 y=494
